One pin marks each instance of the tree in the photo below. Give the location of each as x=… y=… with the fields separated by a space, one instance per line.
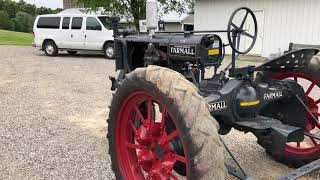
x=5 y=21
x=23 y=22
x=19 y=16
x=135 y=10
x=27 y=8
x=43 y=10
x=56 y=11
x=1 y=4
x=10 y=7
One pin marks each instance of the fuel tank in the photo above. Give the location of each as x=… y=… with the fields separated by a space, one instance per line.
x=206 y=49
x=192 y=48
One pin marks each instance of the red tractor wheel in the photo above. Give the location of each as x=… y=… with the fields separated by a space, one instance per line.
x=298 y=154
x=160 y=128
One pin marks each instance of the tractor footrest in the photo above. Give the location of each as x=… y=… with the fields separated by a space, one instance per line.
x=280 y=133
x=297 y=173
x=260 y=123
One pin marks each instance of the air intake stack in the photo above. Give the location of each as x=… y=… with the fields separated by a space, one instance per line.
x=152 y=16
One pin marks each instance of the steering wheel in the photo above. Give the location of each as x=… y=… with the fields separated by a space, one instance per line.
x=235 y=32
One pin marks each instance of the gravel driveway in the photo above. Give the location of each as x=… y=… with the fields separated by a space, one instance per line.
x=52 y=119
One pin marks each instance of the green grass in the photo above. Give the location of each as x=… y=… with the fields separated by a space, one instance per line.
x=15 y=38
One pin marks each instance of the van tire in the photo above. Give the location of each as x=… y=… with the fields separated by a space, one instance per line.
x=109 y=51
x=50 y=48
x=72 y=52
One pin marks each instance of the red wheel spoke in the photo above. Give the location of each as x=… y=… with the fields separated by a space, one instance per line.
x=134 y=146
x=317 y=114
x=149 y=115
x=136 y=109
x=310 y=88
x=172 y=135
x=317 y=102
x=163 y=116
x=132 y=127
x=180 y=158
x=313 y=141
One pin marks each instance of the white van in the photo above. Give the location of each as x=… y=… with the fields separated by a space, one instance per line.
x=73 y=33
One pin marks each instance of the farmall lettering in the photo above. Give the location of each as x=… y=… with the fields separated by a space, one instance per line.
x=273 y=95
x=218 y=105
x=182 y=50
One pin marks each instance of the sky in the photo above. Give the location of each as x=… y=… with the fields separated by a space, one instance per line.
x=46 y=3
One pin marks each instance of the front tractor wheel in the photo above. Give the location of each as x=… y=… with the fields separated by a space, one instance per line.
x=160 y=128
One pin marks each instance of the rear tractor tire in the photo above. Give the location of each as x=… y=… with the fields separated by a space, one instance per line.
x=159 y=127
x=299 y=154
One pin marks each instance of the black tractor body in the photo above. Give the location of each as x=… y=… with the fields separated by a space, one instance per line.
x=275 y=111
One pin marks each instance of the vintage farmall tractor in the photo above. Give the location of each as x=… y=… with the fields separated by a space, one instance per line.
x=166 y=117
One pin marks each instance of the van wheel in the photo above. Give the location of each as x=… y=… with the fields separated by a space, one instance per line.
x=72 y=52
x=109 y=51
x=51 y=49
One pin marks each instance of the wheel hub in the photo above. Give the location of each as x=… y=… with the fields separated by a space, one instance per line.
x=110 y=51
x=50 y=49
x=148 y=133
x=159 y=150
x=157 y=156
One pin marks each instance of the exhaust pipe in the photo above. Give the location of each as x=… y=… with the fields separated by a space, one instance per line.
x=152 y=16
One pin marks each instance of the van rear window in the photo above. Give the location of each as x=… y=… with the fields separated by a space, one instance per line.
x=49 y=22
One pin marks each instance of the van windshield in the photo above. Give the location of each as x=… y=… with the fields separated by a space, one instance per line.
x=105 y=20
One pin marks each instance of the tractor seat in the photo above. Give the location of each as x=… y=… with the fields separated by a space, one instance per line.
x=289 y=61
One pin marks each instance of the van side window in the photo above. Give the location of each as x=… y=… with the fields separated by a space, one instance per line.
x=76 y=23
x=106 y=22
x=93 y=24
x=49 y=22
x=66 y=23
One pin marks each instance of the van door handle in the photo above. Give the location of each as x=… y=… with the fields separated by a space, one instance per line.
x=71 y=35
x=85 y=36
